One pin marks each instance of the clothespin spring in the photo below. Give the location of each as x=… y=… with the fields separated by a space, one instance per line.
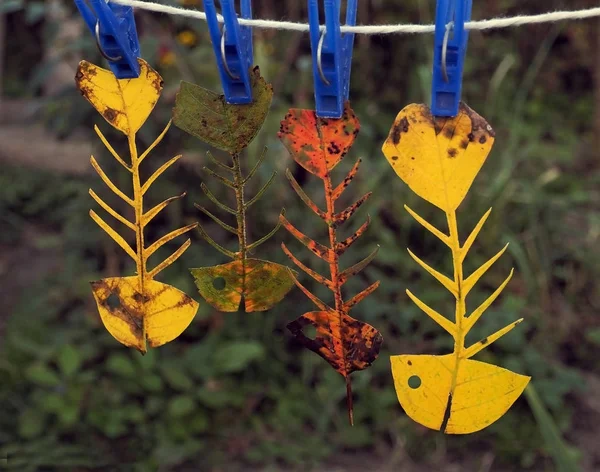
x=224 y=58
x=104 y=55
x=319 y=58
x=449 y=27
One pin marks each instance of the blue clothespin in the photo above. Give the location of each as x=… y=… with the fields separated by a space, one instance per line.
x=449 y=55
x=113 y=26
x=233 y=49
x=332 y=56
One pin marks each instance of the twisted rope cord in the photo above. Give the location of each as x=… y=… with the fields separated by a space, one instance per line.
x=494 y=23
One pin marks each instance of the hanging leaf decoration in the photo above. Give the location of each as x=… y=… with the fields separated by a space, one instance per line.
x=318 y=145
x=136 y=310
x=438 y=158
x=230 y=128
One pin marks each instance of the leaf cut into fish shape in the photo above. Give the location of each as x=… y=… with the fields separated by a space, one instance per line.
x=136 y=310
x=318 y=145
x=230 y=128
x=438 y=158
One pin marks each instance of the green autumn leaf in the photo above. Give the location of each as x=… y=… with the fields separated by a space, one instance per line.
x=262 y=284
x=207 y=116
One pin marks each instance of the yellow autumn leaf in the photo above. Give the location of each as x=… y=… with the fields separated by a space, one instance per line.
x=124 y=103
x=438 y=157
x=479 y=395
x=156 y=312
x=135 y=309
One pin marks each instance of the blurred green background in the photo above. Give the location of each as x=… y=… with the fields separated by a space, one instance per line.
x=235 y=391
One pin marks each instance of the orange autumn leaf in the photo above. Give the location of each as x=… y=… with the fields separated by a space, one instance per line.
x=318 y=145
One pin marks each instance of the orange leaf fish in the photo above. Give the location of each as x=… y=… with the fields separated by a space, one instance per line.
x=318 y=145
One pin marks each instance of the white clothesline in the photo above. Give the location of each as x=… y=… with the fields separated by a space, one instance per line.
x=493 y=23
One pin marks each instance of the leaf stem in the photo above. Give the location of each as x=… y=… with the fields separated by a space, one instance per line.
x=138 y=206
x=340 y=309
x=459 y=317
x=238 y=181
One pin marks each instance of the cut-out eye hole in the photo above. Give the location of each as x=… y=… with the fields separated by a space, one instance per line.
x=310 y=331
x=414 y=381
x=113 y=301
x=219 y=283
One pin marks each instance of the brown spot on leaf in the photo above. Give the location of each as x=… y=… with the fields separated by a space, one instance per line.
x=482 y=139
x=400 y=127
x=395 y=158
x=452 y=153
x=110 y=114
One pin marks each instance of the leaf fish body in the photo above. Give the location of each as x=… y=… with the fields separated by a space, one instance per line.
x=261 y=284
x=438 y=157
x=345 y=343
x=481 y=394
x=157 y=314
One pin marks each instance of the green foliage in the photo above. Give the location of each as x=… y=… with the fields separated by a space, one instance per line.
x=235 y=391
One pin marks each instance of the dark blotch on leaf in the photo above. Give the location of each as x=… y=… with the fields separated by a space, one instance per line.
x=399 y=128
x=452 y=153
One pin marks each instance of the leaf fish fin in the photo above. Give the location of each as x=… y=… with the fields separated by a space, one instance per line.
x=114 y=153
x=214 y=199
x=360 y=296
x=169 y=260
x=109 y=183
x=483 y=343
x=341 y=247
x=215 y=244
x=315 y=275
x=476 y=314
x=266 y=237
x=166 y=238
x=441 y=278
x=471 y=239
x=305 y=198
x=260 y=193
x=150 y=214
x=112 y=212
x=114 y=235
x=222 y=224
x=346 y=214
x=470 y=281
x=428 y=226
x=155 y=143
x=337 y=192
x=317 y=249
x=358 y=267
x=434 y=315
x=158 y=173
x=320 y=304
